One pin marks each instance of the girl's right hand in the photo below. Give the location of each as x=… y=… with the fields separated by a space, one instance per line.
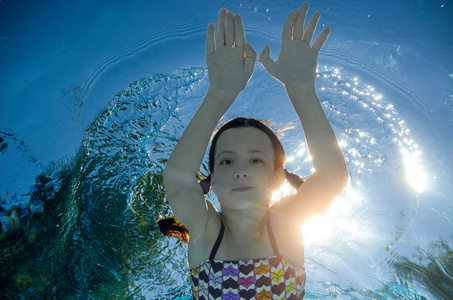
x=231 y=64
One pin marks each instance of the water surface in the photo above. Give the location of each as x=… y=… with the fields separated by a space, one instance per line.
x=97 y=94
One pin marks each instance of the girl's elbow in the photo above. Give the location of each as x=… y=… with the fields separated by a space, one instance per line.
x=166 y=175
x=337 y=173
x=342 y=177
x=336 y=180
x=341 y=174
x=170 y=177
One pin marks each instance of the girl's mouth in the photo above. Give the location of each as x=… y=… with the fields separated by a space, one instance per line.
x=242 y=189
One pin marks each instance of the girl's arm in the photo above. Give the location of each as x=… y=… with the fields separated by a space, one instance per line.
x=296 y=69
x=230 y=67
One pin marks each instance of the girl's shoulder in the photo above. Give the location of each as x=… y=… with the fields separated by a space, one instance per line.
x=281 y=220
x=279 y=211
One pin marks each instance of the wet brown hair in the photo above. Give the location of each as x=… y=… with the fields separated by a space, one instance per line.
x=171 y=227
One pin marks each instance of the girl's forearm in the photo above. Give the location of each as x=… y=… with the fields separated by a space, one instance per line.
x=188 y=154
x=327 y=157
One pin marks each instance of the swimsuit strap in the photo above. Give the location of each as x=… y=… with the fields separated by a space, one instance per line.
x=271 y=235
x=217 y=242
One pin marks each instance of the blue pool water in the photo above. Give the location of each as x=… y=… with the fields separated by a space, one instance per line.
x=96 y=94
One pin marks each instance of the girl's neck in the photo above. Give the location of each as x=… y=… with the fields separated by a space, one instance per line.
x=247 y=224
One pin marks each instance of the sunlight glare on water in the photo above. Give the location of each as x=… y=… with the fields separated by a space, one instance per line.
x=372 y=138
x=373 y=134
x=415 y=174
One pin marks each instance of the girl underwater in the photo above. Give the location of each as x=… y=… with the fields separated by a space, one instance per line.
x=249 y=249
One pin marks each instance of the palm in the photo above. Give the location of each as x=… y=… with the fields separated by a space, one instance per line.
x=232 y=63
x=296 y=63
x=228 y=69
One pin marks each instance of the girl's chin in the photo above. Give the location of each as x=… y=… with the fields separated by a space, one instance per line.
x=240 y=201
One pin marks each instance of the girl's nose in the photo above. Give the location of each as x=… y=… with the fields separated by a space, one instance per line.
x=241 y=173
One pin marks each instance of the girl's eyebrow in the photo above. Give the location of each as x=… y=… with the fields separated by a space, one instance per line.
x=229 y=152
x=224 y=152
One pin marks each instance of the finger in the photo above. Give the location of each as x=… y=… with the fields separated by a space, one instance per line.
x=287 y=32
x=229 y=29
x=266 y=60
x=311 y=27
x=220 y=36
x=239 y=34
x=321 y=39
x=210 y=44
x=300 y=22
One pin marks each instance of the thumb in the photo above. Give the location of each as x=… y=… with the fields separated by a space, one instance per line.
x=266 y=60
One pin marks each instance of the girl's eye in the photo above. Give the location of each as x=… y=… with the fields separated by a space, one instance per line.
x=226 y=162
x=257 y=161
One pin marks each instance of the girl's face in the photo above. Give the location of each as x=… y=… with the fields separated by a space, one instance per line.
x=244 y=171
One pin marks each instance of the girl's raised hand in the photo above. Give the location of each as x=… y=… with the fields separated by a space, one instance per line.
x=232 y=62
x=296 y=63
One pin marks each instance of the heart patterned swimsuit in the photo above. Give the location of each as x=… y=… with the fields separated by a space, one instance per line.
x=274 y=277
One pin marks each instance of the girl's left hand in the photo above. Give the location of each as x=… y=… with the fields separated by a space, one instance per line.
x=296 y=63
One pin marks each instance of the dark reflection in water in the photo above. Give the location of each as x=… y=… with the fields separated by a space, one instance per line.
x=95 y=233
x=433 y=270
